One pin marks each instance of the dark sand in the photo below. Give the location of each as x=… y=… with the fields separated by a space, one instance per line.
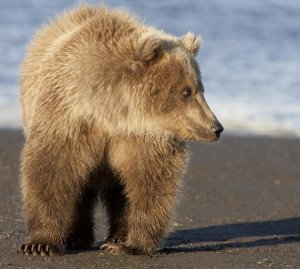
x=240 y=209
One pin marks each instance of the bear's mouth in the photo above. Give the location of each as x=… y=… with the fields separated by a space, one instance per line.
x=203 y=135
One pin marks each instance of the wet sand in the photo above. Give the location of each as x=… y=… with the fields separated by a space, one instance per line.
x=240 y=208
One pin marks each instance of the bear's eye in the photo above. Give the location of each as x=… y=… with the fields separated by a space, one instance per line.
x=187 y=92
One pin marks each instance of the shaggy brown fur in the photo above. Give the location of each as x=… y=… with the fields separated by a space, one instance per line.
x=107 y=103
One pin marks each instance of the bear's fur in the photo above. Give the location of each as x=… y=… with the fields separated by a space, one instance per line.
x=107 y=105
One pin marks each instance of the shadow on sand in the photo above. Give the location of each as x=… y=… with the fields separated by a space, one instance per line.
x=265 y=233
x=269 y=232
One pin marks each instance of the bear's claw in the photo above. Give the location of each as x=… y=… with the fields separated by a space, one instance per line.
x=113 y=248
x=39 y=249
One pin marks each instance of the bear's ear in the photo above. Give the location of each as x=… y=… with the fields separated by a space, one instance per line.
x=190 y=43
x=149 y=48
x=137 y=51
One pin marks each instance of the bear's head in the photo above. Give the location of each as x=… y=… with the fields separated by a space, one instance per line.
x=164 y=93
x=168 y=88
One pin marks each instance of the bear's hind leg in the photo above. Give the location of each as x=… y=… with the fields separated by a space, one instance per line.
x=82 y=231
x=114 y=200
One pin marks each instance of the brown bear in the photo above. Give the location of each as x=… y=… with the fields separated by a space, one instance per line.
x=108 y=104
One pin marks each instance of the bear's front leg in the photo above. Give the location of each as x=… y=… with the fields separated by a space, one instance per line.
x=151 y=172
x=150 y=213
x=53 y=178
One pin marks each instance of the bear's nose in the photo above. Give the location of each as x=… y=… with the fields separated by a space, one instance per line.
x=217 y=128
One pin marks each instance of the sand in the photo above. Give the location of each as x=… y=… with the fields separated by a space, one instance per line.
x=240 y=208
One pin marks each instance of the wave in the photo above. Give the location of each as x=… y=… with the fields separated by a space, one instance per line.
x=10 y=116
x=265 y=117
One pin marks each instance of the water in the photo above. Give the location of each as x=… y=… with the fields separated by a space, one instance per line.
x=250 y=61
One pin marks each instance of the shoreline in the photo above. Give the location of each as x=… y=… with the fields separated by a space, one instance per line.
x=229 y=134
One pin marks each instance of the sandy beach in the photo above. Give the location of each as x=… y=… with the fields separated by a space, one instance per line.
x=240 y=208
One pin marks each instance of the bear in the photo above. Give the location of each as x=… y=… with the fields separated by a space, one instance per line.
x=108 y=106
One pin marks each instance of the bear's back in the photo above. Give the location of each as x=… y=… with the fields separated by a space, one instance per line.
x=45 y=41
x=82 y=33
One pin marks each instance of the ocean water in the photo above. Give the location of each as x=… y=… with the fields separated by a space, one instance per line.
x=250 y=60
